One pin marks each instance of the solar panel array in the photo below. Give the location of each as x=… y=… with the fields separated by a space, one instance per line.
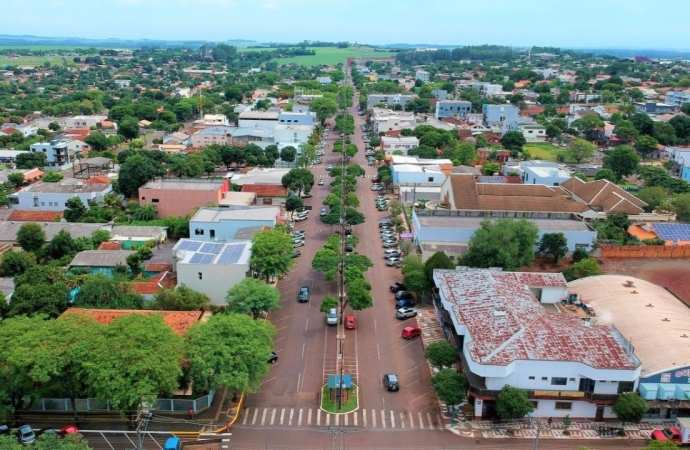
x=211 y=248
x=202 y=258
x=192 y=246
x=491 y=179
x=672 y=231
x=231 y=254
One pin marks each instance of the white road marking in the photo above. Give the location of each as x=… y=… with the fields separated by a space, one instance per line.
x=299 y=418
x=409 y=416
x=273 y=416
x=355 y=416
x=281 y=329
x=304 y=344
x=309 y=417
x=263 y=417
x=374 y=325
x=337 y=420
x=428 y=418
x=278 y=340
x=411 y=369
x=383 y=419
x=421 y=421
x=439 y=420
x=256 y=413
x=392 y=420
x=282 y=415
x=292 y=413
x=268 y=380
x=318 y=418
x=328 y=420
x=402 y=420
x=373 y=418
x=246 y=416
x=378 y=350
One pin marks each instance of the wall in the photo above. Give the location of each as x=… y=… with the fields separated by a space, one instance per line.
x=417 y=177
x=177 y=202
x=58 y=200
x=287 y=134
x=644 y=251
x=215 y=279
x=292 y=118
x=225 y=230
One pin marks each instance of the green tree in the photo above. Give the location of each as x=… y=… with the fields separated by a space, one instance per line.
x=75 y=209
x=622 y=160
x=37 y=299
x=506 y=243
x=253 y=296
x=329 y=302
x=136 y=171
x=181 y=298
x=298 y=180
x=271 y=253
x=513 y=141
x=102 y=292
x=145 y=212
x=61 y=245
x=630 y=407
x=680 y=124
x=512 y=403
x=664 y=133
x=441 y=354
x=97 y=141
x=128 y=128
x=231 y=350
x=580 y=150
x=553 y=244
x=414 y=275
x=450 y=386
x=30 y=160
x=134 y=263
x=323 y=107
x=587 y=267
x=661 y=445
x=490 y=168
x=16 y=179
x=645 y=144
x=16 y=263
x=139 y=358
x=589 y=125
x=52 y=177
x=605 y=174
x=31 y=237
x=642 y=123
x=625 y=131
x=293 y=203
x=681 y=206
x=288 y=154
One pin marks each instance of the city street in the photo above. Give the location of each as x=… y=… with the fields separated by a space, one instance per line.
x=307 y=347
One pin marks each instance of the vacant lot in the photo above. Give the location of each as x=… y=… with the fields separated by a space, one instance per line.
x=328 y=55
x=541 y=151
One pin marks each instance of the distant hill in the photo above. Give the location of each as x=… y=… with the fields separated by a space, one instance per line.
x=30 y=40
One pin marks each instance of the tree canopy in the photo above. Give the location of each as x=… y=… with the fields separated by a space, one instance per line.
x=630 y=407
x=271 y=253
x=253 y=296
x=506 y=243
x=512 y=403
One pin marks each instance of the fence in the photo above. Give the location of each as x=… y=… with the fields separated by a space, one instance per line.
x=94 y=404
x=644 y=251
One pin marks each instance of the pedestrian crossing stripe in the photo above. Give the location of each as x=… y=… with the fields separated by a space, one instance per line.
x=305 y=395
x=316 y=417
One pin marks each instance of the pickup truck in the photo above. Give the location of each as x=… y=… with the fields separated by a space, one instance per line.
x=679 y=434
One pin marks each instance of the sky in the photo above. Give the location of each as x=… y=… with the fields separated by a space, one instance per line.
x=558 y=23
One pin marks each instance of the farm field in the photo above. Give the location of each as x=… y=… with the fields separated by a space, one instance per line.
x=327 y=55
x=541 y=151
x=34 y=60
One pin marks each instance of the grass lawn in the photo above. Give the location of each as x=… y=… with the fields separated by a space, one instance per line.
x=328 y=55
x=541 y=151
x=34 y=60
x=332 y=407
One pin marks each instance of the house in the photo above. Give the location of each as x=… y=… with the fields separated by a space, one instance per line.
x=604 y=197
x=652 y=107
x=467 y=192
x=444 y=165
x=401 y=143
x=267 y=194
x=9 y=230
x=99 y=261
x=84 y=121
x=179 y=321
x=422 y=75
x=390 y=100
x=456 y=228
x=257 y=175
x=149 y=288
x=144 y=123
x=510 y=331
x=417 y=175
x=30 y=175
x=131 y=236
x=25 y=130
x=677 y=98
x=498 y=115
x=121 y=84
x=179 y=197
x=538 y=172
x=221 y=224
x=212 y=135
x=53 y=196
x=324 y=81
x=583 y=97
x=211 y=268
x=384 y=120
x=441 y=94
x=451 y=108
x=56 y=151
x=533 y=132
x=216 y=120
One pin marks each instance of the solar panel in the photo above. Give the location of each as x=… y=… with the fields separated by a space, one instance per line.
x=491 y=179
x=672 y=231
x=231 y=254
x=189 y=245
x=211 y=248
x=197 y=258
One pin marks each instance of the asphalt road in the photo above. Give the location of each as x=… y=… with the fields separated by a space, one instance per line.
x=307 y=348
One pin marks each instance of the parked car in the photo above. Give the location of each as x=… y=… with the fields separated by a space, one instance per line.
x=391 y=253
x=296 y=254
x=329 y=167
x=406 y=303
x=350 y=323
x=323 y=212
x=411 y=332
x=390 y=244
x=26 y=435
x=395 y=287
x=298 y=244
x=298 y=233
x=321 y=182
x=303 y=295
x=394 y=262
x=349 y=248
x=402 y=295
x=405 y=313
x=273 y=359
x=332 y=317
x=380 y=198
x=4 y=429
x=390 y=382
x=672 y=434
x=385 y=223
x=376 y=187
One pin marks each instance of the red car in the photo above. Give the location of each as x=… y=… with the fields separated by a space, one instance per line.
x=667 y=434
x=411 y=332
x=350 y=323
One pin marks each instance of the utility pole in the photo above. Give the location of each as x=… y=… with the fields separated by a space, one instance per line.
x=143 y=419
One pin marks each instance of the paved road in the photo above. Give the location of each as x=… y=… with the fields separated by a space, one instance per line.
x=307 y=347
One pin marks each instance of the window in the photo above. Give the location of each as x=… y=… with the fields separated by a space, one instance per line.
x=564 y=406
x=198 y=231
x=430 y=179
x=571 y=379
x=201 y=275
x=544 y=378
x=43 y=203
x=143 y=198
x=625 y=386
x=535 y=404
x=212 y=233
x=530 y=378
x=559 y=381
x=154 y=200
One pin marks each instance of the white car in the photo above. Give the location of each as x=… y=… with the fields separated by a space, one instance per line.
x=329 y=167
x=376 y=187
x=321 y=182
x=394 y=262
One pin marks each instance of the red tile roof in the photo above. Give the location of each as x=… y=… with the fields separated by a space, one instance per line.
x=507 y=323
x=110 y=245
x=99 y=179
x=266 y=190
x=179 y=321
x=33 y=173
x=77 y=133
x=34 y=216
x=604 y=196
x=158 y=267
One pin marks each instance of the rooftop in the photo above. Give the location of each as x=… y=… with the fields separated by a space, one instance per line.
x=136 y=231
x=9 y=229
x=266 y=190
x=604 y=195
x=545 y=225
x=657 y=323
x=237 y=198
x=263 y=115
x=401 y=159
x=218 y=214
x=190 y=251
x=507 y=323
x=34 y=216
x=178 y=321
x=66 y=186
x=185 y=184
x=100 y=258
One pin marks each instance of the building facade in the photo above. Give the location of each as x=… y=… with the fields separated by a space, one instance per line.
x=179 y=197
x=402 y=144
x=389 y=99
x=222 y=224
x=452 y=108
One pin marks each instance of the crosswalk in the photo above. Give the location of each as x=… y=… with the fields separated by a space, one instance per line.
x=362 y=418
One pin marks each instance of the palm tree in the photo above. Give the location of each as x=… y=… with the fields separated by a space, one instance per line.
x=177 y=166
x=145 y=212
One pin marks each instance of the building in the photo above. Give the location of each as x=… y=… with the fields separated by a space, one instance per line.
x=9 y=156
x=222 y=224
x=212 y=135
x=510 y=330
x=297 y=118
x=603 y=197
x=292 y=134
x=178 y=138
x=135 y=235
x=583 y=97
x=677 y=98
x=468 y=192
x=444 y=165
x=390 y=100
x=498 y=115
x=267 y=194
x=441 y=94
x=652 y=107
x=403 y=144
x=121 y=84
x=257 y=175
x=538 y=172
x=383 y=120
x=452 y=108
x=179 y=197
x=83 y=121
x=99 y=261
x=216 y=120
x=533 y=132
x=324 y=81
x=53 y=196
x=56 y=151
x=673 y=234
x=261 y=119
x=456 y=228
x=211 y=268
x=422 y=75
x=656 y=323
x=416 y=175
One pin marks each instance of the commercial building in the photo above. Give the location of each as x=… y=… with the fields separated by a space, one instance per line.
x=547 y=173
x=402 y=144
x=384 y=119
x=677 y=98
x=452 y=108
x=179 y=197
x=53 y=196
x=222 y=224
x=56 y=151
x=389 y=100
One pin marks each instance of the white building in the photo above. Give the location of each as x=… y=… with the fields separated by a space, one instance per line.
x=452 y=108
x=509 y=333
x=533 y=132
x=294 y=134
x=389 y=99
x=216 y=120
x=422 y=75
x=83 y=121
x=54 y=196
x=57 y=153
x=403 y=144
x=324 y=81
x=261 y=119
x=677 y=98
x=222 y=224
x=384 y=119
x=547 y=173
x=211 y=268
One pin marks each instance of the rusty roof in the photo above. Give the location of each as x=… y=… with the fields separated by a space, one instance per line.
x=178 y=321
x=604 y=195
x=19 y=215
x=266 y=190
x=110 y=245
x=506 y=322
